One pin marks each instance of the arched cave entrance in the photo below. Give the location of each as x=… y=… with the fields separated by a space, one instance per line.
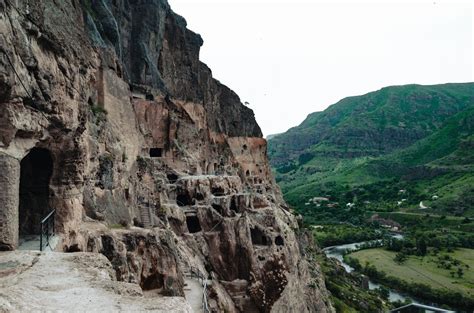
x=35 y=174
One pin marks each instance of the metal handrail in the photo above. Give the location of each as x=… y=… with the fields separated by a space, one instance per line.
x=47 y=228
x=205 y=307
x=203 y=280
x=47 y=216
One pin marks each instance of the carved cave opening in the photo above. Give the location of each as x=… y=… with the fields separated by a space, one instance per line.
x=199 y=196
x=149 y=97
x=183 y=199
x=154 y=281
x=218 y=191
x=172 y=177
x=258 y=237
x=279 y=241
x=218 y=208
x=193 y=224
x=156 y=152
x=236 y=204
x=35 y=175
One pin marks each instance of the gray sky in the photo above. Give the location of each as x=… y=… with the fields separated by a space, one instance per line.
x=289 y=58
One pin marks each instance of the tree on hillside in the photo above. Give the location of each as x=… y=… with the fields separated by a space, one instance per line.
x=384 y=292
x=421 y=246
x=400 y=257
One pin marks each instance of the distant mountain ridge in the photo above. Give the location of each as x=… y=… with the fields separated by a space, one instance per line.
x=410 y=135
x=271 y=136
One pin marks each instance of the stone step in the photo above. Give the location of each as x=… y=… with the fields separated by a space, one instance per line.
x=145 y=217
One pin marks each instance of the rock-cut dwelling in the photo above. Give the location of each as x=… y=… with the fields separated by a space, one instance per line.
x=24 y=195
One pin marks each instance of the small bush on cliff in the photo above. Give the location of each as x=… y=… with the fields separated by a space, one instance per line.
x=98 y=110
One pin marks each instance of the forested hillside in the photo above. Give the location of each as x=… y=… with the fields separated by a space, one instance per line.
x=387 y=150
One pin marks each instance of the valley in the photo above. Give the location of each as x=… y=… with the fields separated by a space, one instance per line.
x=425 y=270
x=397 y=160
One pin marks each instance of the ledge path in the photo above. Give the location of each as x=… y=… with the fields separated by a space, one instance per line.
x=33 y=281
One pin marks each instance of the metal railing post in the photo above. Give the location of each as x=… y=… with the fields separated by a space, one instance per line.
x=47 y=233
x=41 y=237
x=47 y=224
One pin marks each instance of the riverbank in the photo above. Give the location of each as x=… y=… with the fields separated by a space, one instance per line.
x=338 y=234
x=422 y=277
x=338 y=252
x=424 y=270
x=349 y=291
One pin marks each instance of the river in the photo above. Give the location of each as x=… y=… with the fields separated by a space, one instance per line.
x=337 y=252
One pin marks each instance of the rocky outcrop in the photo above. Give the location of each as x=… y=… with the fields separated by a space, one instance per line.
x=155 y=164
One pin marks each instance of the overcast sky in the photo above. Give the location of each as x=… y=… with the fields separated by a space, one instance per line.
x=289 y=58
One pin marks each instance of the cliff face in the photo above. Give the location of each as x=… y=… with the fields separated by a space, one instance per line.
x=144 y=156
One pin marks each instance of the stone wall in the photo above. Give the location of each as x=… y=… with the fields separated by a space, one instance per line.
x=9 y=190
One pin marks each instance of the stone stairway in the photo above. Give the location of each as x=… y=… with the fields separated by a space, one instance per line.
x=146 y=213
x=145 y=216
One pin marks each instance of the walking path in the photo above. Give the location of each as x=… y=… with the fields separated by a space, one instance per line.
x=32 y=243
x=74 y=282
x=193 y=292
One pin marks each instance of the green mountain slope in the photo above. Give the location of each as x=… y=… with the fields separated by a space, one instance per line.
x=405 y=142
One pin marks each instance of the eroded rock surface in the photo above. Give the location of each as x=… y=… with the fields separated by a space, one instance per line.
x=74 y=282
x=155 y=164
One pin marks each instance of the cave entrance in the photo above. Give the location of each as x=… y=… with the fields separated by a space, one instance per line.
x=35 y=174
x=154 y=281
x=183 y=199
x=218 y=191
x=258 y=237
x=192 y=221
x=156 y=152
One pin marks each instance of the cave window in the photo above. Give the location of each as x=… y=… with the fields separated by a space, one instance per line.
x=279 y=241
x=172 y=178
x=35 y=174
x=234 y=204
x=73 y=248
x=154 y=281
x=193 y=224
x=218 y=208
x=247 y=173
x=258 y=237
x=184 y=200
x=156 y=152
x=199 y=196
x=244 y=147
x=217 y=191
x=149 y=97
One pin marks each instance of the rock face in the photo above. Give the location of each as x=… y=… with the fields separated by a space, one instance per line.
x=153 y=163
